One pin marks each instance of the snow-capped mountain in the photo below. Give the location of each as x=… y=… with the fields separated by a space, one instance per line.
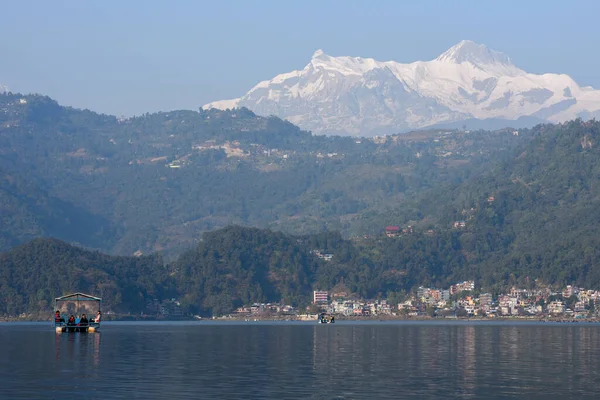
x=3 y=88
x=362 y=96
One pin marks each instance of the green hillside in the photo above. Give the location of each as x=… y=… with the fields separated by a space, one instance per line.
x=158 y=181
x=502 y=208
x=27 y=212
x=545 y=211
x=32 y=275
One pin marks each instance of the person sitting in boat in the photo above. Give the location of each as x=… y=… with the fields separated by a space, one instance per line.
x=83 y=321
x=71 y=323
x=58 y=319
x=97 y=319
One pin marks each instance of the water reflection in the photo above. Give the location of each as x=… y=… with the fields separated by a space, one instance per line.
x=463 y=361
x=276 y=361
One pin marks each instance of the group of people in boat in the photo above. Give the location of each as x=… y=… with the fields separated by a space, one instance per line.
x=76 y=324
x=326 y=318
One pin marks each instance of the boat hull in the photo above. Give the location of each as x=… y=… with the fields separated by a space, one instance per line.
x=77 y=329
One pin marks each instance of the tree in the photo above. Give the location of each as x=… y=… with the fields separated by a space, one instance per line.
x=430 y=311
x=541 y=302
x=315 y=309
x=446 y=313
x=461 y=312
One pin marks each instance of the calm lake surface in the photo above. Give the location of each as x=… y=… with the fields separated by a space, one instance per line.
x=269 y=360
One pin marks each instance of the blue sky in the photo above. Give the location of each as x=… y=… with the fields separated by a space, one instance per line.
x=131 y=57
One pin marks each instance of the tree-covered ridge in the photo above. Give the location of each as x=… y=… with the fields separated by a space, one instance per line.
x=237 y=266
x=32 y=275
x=539 y=210
x=158 y=181
x=28 y=212
x=229 y=268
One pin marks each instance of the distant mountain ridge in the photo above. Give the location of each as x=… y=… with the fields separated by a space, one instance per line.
x=362 y=96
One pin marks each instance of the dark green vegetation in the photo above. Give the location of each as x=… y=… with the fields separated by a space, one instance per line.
x=231 y=267
x=496 y=207
x=156 y=182
x=27 y=211
x=32 y=275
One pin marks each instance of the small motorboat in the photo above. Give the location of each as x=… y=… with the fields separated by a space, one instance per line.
x=325 y=318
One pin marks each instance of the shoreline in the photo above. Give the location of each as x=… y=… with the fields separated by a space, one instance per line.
x=413 y=319
x=311 y=318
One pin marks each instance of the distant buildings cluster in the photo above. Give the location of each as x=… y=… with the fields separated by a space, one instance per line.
x=460 y=300
x=322 y=255
x=170 y=308
x=265 y=308
x=394 y=231
x=570 y=302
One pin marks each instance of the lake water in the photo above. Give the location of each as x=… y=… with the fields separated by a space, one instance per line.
x=269 y=360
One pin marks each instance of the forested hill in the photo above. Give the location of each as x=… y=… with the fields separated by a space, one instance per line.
x=27 y=211
x=229 y=268
x=539 y=210
x=32 y=275
x=238 y=266
x=158 y=181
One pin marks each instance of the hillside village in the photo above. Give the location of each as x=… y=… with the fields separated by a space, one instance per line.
x=452 y=148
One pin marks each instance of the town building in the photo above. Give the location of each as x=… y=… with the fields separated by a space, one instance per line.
x=485 y=301
x=392 y=231
x=556 y=307
x=320 y=297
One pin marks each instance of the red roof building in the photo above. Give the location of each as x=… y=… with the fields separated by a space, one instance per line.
x=391 y=231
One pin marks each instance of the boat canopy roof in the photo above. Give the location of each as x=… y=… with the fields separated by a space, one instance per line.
x=78 y=297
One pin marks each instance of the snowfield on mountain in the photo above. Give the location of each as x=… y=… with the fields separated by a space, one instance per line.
x=362 y=96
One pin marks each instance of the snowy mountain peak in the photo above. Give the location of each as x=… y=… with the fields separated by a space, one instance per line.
x=342 y=65
x=318 y=54
x=3 y=89
x=362 y=96
x=477 y=54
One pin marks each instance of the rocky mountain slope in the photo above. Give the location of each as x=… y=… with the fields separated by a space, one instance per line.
x=362 y=96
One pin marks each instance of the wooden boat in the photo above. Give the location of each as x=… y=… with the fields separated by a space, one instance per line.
x=77 y=304
x=325 y=318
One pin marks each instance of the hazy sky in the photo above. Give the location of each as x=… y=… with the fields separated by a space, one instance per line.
x=131 y=57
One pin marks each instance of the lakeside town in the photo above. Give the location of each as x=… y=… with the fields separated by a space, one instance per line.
x=460 y=300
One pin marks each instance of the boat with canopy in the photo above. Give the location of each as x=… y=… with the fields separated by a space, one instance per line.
x=325 y=318
x=77 y=304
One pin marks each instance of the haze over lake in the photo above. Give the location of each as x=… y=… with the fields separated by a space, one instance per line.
x=269 y=360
